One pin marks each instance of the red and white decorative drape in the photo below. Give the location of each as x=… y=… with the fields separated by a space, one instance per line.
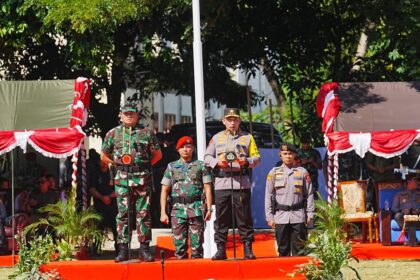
x=386 y=144
x=328 y=105
x=54 y=142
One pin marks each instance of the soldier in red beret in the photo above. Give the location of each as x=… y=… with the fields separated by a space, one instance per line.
x=188 y=183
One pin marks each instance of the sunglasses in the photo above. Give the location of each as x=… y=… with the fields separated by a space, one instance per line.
x=42 y=181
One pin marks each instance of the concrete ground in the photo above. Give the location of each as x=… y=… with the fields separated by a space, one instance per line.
x=156 y=232
x=108 y=251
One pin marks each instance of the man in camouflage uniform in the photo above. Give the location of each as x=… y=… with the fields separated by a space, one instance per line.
x=349 y=167
x=310 y=159
x=407 y=202
x=289 y=202
x=188 y=181
x=131 y=149
x=233 y=139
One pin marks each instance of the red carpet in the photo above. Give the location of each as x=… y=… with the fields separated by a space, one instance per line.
x=264 y=246
x=376 y=251
x=7 y=260
x=267 y=266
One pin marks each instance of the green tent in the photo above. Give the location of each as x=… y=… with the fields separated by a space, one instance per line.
x=29 y=105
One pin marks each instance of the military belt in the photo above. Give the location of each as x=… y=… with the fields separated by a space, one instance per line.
x=186 y=200
x=293 y=207
x=132 y=168
x=227 y=174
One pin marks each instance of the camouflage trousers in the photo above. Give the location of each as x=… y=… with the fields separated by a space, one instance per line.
x=134 y=199
x=181 y=228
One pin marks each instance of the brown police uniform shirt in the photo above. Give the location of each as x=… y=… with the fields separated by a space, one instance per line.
x=241 y=143
x=290 y=186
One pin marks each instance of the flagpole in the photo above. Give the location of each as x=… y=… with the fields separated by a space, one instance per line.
x=209 y=246
x=198 y=82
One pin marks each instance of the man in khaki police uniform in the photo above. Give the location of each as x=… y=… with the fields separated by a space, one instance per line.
x=407 y=202
x=289 y=202
x=233 y=139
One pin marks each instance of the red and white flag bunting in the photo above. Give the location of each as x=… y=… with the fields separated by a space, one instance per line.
x=328 y=105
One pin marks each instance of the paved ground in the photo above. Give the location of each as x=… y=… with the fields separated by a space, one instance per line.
x=109 y=244
x=108 y=251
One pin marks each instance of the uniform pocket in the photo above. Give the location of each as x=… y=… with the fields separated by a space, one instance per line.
x=298 y=189
x=279 y=184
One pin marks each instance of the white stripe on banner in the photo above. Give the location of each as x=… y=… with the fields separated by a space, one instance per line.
x=330 y=96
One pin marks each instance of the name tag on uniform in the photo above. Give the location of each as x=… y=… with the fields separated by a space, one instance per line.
x=279 y=181
x=298 y=179
x=298 y=182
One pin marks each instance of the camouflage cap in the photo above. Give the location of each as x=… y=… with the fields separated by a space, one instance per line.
x=129 y=106
x=287 y=147
x=231 y=112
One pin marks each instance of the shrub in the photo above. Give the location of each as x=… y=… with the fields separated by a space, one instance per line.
x=32 y=255
x=327 y=245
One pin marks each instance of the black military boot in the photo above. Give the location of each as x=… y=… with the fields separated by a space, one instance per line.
x=123 y=253
x=221 y=252
x=248 y=255
x=145 y=253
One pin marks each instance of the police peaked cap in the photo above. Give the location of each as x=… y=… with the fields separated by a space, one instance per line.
x=231 y=112
x=287 y=147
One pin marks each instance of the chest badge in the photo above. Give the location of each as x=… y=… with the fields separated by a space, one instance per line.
x=126 y=159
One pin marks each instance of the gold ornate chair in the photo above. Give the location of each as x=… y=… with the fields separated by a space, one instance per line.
x=352 y=198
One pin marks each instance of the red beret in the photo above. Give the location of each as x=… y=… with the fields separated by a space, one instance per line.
x=183 y=140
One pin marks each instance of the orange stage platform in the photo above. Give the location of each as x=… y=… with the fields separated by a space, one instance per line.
x=267 y=265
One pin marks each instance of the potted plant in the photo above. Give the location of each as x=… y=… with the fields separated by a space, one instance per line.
x=73 y=230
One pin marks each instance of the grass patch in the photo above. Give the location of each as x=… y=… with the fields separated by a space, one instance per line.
x=384 y=269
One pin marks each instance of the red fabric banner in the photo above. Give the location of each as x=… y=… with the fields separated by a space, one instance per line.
x=60 y=142
x=382 y=143
x=7 y=141
x=338 y=142
x=328 y=105
x=81 y=102
x=392 y=142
